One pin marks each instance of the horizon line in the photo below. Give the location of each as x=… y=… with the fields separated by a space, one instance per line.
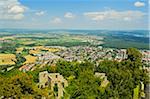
x=71 y=29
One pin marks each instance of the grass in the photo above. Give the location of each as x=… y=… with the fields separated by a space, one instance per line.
x=7 y=59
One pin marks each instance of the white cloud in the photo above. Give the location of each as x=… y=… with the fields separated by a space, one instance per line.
x=127 y=19
x=114 y=15
x=16 y=9
x=40 y=13
x=56 y=20
x=69 y=15
x=11 y=10
x=95 y=15
x=18 y=16
x=139 y=4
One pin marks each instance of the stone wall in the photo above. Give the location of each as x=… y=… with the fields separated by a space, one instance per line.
x=50 y=79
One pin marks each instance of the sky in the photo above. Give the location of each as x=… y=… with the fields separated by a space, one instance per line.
x=74 y=14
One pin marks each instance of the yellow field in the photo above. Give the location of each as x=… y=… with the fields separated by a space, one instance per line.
x=7 y=59
x=53 y=49
x=38 y=49
x=45 y=48
x=30 y=59
x=19 y=50
x=34 y=51
x=8 y=37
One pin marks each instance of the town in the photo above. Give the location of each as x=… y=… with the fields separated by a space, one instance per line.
x=81 y=54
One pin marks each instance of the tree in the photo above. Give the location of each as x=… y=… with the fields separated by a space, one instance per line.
x=84 y=87
x=124 y=76
x=20 y=60
x=135 y=62
x=120 y=78
x=16 y=86
x=67 y=68
x=133 y=54
x=20 y=85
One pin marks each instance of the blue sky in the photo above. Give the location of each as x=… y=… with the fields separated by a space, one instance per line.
x=74 y=14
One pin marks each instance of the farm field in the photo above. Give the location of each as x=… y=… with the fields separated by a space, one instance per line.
x=30 y=59
x=7 y=59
